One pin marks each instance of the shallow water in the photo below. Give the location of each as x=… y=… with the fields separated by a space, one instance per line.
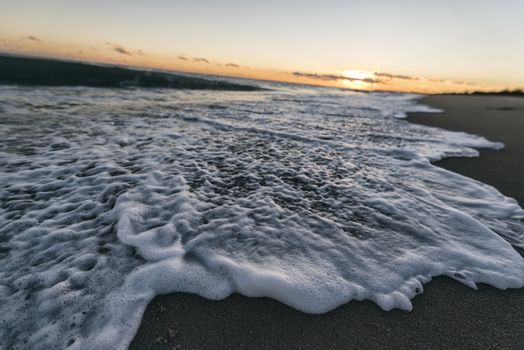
x=311 y=196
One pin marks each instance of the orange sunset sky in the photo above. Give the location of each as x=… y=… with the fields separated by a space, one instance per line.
x=444 y=46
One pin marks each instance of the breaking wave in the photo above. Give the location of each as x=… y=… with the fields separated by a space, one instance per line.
x=49 y=72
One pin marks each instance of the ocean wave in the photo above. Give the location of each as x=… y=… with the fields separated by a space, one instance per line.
x=313 y=197
x=48 y=72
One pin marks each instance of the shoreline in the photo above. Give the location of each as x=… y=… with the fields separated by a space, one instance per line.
x=447 y=315
x=497 y=118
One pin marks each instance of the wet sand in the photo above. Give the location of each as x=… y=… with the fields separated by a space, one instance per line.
x=447 y=315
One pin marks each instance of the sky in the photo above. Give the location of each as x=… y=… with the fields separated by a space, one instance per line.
x=403 y=45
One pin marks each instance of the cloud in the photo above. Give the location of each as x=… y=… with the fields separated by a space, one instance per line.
x=384 y=79
x=31 y=37
x=334 y=77
x=436 y=80
x=467 y=83
x=119 y=48
x=197 y=59
x=122 y=50
x=232 y=65
x=395 y=76
x=139 y=52
x=445 y=81
x=201 y=60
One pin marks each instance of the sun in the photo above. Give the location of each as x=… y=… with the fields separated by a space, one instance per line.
x=358 y=74
x=358 y=79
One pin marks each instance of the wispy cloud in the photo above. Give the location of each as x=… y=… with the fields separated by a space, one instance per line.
x=391 y=76
x=395 y=76
x=31 y=37
x=204 y=60
x=119 y=48
x=334 y=77
x=446 y=81
x=201 y=60
x=379 y=78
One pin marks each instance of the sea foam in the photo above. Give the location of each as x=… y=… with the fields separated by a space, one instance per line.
x=310 y=196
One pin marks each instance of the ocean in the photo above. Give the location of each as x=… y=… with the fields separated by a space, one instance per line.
x=311 y=196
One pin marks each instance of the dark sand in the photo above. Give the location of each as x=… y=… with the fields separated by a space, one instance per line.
x=447 y=315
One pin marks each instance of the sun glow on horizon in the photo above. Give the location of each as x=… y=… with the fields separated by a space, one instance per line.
x=358 y=79
x=358 y=74
x=407 y=49
x=132 y=56
x=118 y=54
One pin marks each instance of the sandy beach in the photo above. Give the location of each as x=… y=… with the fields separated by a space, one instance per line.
x=447 y=315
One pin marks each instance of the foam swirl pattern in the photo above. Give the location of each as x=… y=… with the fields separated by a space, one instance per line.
x=314 y=197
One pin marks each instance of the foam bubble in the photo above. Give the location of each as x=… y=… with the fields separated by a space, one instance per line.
x=309 y=196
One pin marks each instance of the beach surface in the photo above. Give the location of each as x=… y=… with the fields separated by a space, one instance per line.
x=447 y=315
